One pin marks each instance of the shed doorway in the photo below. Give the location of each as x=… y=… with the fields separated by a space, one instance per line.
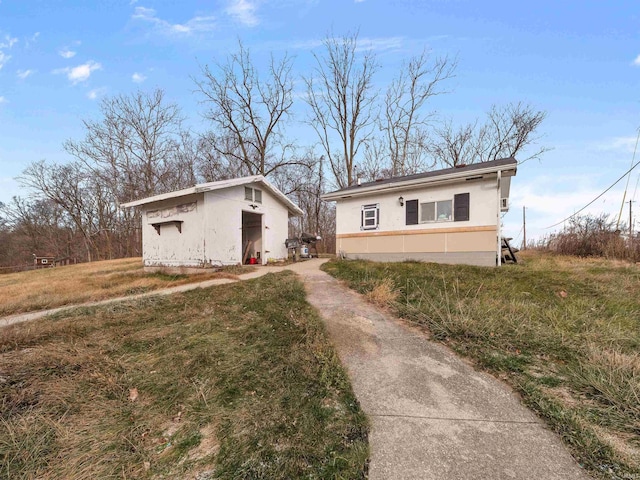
x=251 y=238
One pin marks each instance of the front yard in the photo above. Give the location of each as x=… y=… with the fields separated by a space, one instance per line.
x=234 y=381
x=563 y=331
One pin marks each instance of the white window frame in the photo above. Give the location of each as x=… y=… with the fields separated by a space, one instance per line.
x=435 y=211
x=372 y=207
x=252 y=195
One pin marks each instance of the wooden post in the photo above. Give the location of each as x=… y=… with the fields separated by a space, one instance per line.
x=524 y=228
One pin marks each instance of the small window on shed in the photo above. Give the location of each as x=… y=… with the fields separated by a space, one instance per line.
x=248 y=193
x=257 y=195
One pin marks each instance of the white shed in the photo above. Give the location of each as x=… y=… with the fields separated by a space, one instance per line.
x=216 y=223
x=448 y=216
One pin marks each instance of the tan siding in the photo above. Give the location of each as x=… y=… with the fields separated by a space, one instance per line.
x=471 y=242
x=385 y=244
x=459 y=240
x=432 y=242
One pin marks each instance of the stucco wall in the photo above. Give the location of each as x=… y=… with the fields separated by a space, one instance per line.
x=473 y=241
x=211 y=226
x=223 y=220
x=170 y=247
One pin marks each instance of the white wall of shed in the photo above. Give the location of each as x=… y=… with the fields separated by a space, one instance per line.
x=172 y=248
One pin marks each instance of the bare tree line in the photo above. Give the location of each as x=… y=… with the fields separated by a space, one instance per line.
x=139 y=146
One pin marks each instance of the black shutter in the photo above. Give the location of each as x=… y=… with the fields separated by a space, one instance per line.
x=412 y=212
x=461 y=207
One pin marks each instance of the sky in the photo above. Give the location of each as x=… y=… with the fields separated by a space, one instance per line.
x=579 y=61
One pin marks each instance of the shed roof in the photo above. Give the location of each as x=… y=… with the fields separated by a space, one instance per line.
x=294 y=210
x=435 y=176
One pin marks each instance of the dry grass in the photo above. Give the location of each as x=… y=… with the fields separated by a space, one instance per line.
x=87 y=282
x=563 y=331
x=235 y=381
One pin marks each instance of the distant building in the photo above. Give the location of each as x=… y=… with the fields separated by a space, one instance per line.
x=45 y=261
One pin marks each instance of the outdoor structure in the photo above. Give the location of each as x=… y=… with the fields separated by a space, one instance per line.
x=219 y=223
x=43 y=261
x=447 y=216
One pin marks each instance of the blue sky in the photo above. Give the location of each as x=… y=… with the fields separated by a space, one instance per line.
x=577 y=60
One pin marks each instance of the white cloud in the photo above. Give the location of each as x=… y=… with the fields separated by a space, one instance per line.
x=138 y=77
x=2 y=99
x=96 y=92
x=243 y=11
x=66 y=53
x=618 y=144
x=636 y=62
x=194 y=25
x=6 y=45
x=382 y=43
x=8 y=42
x=25 y=73
x=81 y=73
x=4 y=58
x=358 y=1
x=33 y=39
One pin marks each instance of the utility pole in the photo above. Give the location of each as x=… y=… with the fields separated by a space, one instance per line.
x=524 y=228
x=630 y=222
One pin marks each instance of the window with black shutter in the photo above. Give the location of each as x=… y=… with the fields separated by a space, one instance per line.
x=411 y=207
x=461 y=207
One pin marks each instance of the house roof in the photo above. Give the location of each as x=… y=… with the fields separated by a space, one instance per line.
x=219 y=185
x=507 y=165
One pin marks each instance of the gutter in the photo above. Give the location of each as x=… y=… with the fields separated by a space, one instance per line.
x=392 y=187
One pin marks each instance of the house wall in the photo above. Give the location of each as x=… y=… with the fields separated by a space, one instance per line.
x=471 y=242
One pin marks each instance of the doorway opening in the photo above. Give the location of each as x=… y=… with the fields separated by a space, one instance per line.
x=251 y=238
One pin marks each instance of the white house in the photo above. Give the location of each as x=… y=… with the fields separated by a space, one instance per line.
x=217 y=223
x=447 y=216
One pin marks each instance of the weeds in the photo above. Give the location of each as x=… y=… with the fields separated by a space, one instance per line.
x=237 y=381
x=563 y=331
x=87 y=282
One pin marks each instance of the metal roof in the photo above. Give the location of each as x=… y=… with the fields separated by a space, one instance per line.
x=453 y=173
x=207 y=187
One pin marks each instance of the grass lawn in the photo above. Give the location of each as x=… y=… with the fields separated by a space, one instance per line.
x=87 y=282
x=234 y=381
x=563 y=331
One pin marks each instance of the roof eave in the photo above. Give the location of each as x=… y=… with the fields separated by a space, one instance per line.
x=403 y=185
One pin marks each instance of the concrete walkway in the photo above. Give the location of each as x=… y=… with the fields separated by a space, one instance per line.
x=432 y=415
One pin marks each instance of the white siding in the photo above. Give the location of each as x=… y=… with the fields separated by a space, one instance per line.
x=482 y=207
x=172 y=248
x=212 y=231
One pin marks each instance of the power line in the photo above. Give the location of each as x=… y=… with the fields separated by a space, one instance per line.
x=592 y=201
x=624 y=197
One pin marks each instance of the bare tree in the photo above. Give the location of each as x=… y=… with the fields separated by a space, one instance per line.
x=247 y=112
x=340 y=94
x=404 y=122
x=507 y=132
x=135 y=147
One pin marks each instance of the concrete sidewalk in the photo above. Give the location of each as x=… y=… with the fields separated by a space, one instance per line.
x=433 y=416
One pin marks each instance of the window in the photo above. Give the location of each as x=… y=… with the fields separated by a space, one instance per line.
x=441 y=211
x=253 y=194
x=370 y=216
